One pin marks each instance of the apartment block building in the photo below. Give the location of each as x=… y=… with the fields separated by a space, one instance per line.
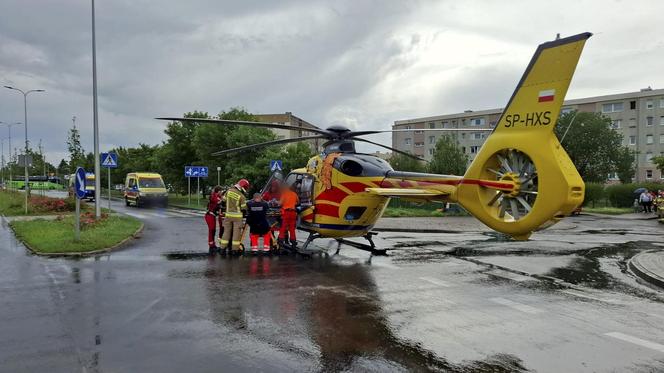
x=637 y=116
x=289 y=119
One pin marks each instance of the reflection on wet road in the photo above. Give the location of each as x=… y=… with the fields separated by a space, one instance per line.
x=451 y=302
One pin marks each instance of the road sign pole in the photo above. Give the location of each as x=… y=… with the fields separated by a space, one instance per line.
x=77 y=220
x=198 y=191
x=218 y=175
x=189 y=191
x=109 y=189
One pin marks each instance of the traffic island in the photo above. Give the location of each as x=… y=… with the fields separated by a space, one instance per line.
x=55 y=237
x=649 y=266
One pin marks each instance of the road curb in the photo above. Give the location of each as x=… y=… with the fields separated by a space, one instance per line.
x=118 y=245
x=637 y=265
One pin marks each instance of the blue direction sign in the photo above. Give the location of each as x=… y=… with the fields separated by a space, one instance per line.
x=79 y=182
x=109 y=160
x=276 y=165
x=195 y=171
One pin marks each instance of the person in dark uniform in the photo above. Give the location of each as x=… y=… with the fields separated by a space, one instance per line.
x=258 y=224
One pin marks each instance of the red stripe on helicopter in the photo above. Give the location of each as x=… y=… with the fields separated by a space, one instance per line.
x=484 y=183
x=308 y=217
x=327 y=210
x=333 y=194
x=355 y=187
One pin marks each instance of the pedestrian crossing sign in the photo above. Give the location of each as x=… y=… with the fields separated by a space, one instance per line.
x=109 y=160
x=275 y=165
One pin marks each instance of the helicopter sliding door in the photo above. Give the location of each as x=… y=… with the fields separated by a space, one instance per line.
x=304 y=187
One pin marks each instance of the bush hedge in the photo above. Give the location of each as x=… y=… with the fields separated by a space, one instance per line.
x=622 y=195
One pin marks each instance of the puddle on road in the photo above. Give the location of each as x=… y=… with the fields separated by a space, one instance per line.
x=186 y=255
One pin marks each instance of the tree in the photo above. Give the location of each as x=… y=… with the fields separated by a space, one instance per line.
x=624 y=164
x=76 y=152
x=401 y=162
x=595 y=148
x=63 y=168
x=178 y=151
x=448 y=158
x=659 y=162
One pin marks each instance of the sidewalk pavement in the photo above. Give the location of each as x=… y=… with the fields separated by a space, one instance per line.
x=649 y=266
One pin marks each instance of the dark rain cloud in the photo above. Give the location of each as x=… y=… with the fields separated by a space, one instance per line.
x=359 y=63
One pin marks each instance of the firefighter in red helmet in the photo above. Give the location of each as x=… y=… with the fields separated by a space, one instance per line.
x=235 y=203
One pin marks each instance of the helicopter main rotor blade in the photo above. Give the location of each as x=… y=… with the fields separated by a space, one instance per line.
x=361 y=133
x=247 y=123
x=392 y=149
x=268 y=143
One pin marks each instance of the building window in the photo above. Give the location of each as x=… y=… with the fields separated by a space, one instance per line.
x=476 y=136
x=632 y=122
x=419 y=144
x=408 y=127
x=649 y=139
x=406 y=141
x=661 y=121
x=463 y=149
x=419 y=132
x=432 y=125
x=650 y=104
x=632 y=105
x=432 y=139
x=648 y=174
x=477 y=121
x=430 y=151
x=493 y=123
x=613 y=176
x=474 y=149
x=661 y=106
x=566 y=110
x=612 y=107
x=444 y=123
x=648 y=157
x=615 y=124
x=649 y=121
x=632 y=140
x=661 y=139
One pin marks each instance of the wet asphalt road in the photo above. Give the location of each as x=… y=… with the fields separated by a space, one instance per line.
x=162 y=305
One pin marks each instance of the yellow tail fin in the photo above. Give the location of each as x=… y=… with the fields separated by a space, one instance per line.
x=524 y=150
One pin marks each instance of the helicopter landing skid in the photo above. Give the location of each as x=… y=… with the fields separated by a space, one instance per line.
x=371 y=247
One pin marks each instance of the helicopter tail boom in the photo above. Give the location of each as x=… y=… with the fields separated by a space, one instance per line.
x=523 y=150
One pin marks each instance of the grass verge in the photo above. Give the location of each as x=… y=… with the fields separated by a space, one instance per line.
x=406 y=212
x=609 y=210
x=57 y=236
x=13 y=204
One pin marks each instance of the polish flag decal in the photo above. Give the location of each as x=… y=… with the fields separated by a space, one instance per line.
x=546 y=95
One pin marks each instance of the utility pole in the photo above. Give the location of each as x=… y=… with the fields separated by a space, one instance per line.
x=9 y=161
x=95 y=119
x=25 y=123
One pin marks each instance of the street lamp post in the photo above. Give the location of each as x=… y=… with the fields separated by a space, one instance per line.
x=95 y=119
x=2 y=160
x=25 y=122
x=9 y=130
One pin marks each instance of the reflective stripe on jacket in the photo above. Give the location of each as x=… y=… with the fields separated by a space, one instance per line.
x=235 y=203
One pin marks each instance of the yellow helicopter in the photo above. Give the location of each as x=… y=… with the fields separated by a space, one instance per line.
x=521 y=180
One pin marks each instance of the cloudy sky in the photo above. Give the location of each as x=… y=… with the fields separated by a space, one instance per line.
x=359 y=63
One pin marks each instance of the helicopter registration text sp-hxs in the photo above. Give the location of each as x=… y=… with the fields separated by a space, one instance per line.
x=521 y=180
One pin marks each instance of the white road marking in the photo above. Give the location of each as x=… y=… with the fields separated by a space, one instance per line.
x=144 y=310
x=637 y=341
x=517 y=306
x=157 y=214
x=436 y=281
x=137 y=216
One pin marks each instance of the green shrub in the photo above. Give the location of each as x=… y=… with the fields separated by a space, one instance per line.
x=622 y=195
x=594 y=193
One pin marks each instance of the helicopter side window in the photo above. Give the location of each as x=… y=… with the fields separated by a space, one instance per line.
x=304 y=187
